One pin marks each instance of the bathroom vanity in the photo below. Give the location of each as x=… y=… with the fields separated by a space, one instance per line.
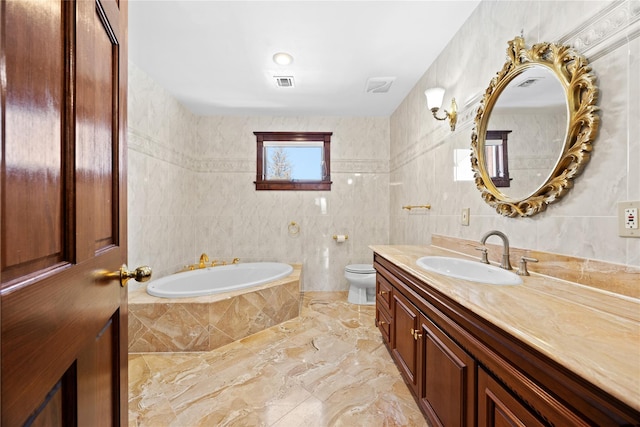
x=545 y=352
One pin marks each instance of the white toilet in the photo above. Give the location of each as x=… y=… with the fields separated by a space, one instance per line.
x=362 y=283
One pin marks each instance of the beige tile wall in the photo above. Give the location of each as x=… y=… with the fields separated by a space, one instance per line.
x=191 y=178
x=584 y=223
x=191 y=190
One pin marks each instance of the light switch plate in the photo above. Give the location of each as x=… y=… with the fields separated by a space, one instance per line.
x=464 y=216
x=628 y=219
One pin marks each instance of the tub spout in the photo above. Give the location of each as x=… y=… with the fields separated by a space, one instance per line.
x=203 y=260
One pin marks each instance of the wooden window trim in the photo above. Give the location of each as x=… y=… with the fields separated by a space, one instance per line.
x=501 y=181
x=299 y=185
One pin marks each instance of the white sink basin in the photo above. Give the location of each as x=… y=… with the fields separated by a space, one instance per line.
x=468 y=270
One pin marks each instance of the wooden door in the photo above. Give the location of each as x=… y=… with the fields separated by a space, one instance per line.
x=63 y=330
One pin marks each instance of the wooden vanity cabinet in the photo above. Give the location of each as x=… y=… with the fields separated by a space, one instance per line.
x=440 y=373
x=465 y=371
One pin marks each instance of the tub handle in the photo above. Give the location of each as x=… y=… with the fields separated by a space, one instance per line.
x=140 y=274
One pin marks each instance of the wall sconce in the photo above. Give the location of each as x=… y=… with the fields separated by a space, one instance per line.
x=434 y=102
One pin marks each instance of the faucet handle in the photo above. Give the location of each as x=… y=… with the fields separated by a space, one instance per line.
x=484 y=258
x=522 y=269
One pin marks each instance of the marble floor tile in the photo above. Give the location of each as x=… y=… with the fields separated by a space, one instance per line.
x=328 y=367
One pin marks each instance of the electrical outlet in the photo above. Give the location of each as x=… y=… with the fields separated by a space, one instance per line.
x=628 y=219
x=464 y=217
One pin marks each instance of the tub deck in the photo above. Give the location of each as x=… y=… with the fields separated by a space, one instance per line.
x=208 y=322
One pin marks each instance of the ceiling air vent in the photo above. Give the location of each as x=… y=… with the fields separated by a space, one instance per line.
x=284 y=81
x=529 y=82
x=379 y=84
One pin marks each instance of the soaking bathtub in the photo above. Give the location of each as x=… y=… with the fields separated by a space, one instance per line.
x=216 y=280
x=215 y=318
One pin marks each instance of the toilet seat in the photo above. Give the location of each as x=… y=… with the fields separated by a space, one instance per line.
x=360 y=269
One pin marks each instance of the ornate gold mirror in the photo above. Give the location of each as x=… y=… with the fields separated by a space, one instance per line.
x=545 y=99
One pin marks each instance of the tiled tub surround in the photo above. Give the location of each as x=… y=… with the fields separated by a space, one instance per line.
x=592 y=332
x=208 y=322
x=328 y=367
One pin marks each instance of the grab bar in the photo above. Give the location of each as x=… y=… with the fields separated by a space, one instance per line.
x=409 y=207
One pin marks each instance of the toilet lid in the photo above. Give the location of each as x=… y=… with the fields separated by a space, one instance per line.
x=360 y=268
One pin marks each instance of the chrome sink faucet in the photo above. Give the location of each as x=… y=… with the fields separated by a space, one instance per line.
x=506 y=264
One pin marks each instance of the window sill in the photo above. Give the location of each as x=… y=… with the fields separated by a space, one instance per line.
x=294 y=185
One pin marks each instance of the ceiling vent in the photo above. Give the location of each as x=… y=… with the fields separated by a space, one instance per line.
x=529 y=82
x=284 y=81
x=379 y=84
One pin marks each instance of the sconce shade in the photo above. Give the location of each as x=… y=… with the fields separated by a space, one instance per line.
x=434 y=96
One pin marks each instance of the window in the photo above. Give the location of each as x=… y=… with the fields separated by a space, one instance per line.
x=293 y=161
x=496 y=157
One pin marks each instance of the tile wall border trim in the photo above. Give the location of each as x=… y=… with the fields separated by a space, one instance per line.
x=612 y=27
x=151 y=147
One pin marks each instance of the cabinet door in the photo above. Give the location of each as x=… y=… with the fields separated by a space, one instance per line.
x=447 y=378
x=497 y=407
x=383 y=322
x=404 y=347
x=383 y=292
x=383 y=308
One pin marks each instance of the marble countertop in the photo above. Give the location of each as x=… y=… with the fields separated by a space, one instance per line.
x=592 y=332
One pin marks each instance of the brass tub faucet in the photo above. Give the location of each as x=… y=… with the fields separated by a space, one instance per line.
x=203 y=260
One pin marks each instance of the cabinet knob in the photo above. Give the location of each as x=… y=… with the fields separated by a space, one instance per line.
x=382 y=293
x=381 y=322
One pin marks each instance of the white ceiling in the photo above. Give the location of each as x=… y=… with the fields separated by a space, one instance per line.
x=215 y=57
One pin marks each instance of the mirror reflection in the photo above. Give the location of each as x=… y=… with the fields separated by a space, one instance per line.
x=496 y=157
x=526 y=132
x=545 y=98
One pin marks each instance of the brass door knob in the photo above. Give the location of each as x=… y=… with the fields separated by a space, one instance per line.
x=140 y=274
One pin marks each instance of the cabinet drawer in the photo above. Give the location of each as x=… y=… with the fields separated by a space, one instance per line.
x=383 y=322
x=383 y=292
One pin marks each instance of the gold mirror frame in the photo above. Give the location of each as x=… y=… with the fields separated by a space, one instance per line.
x=574 y=73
